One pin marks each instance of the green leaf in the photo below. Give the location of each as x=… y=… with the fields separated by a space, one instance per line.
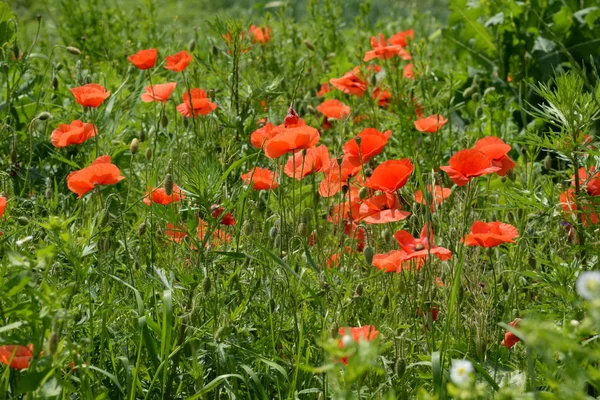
x=7 y=26
x=544 y=45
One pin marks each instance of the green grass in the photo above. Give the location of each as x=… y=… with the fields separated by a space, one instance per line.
x=116 y=309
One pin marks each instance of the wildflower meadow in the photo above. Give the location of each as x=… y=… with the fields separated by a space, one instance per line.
x=316 y=199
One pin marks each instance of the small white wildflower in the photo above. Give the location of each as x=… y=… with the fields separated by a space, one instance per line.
x=588 y=285
x=461 y=371
x=574 y=322
x=24 y=240
x=346 y=340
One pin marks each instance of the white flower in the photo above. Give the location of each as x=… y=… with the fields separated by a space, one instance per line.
x=588 y=285
x=346 y=340
x=461 y=371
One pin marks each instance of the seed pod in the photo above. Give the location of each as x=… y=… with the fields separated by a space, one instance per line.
x=148 y=154
x=169 y=184
x=164 y=121
x=368 y=172
x=134 y=146
x=23 y=221
x=302 y=229
x=53 y=342
x=363 y=193
x=74 y=50
x=141 y=229
x=368 y=254
x=400 y=367
x=309 y=45
x=206 y=284
x=44 y=116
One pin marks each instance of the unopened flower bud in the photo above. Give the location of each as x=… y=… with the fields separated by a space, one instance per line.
x=468 y=92
x=489 y=90
x=363 y=193
x=400 y=367
x=23 y=221
x=302 y=229
x=206 y=284
x=309 y=45
x=74 y=50
x=164 y=121
x=148 y=154
x=134 y=146
x=273 y=232
x=141 y=229
x=55 y=83
x=192 y=45
x=368 y=254
x=359 y=291
x=548 y=162
x=44 y=116
x=169 y=184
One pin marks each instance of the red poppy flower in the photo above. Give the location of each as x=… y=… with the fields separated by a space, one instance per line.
x=301 y=165
x=490 y=234
x=510 y=339
x=324 y=89
x=390 y=175
x=351 y=83
x=569 y=206
x=497 y=151
x=144 y=59
x=199 y=102
x=227 y=38
x=383 y=97
x=367 y=332
x=430 y=124
x=17 y=357
x=396 y=261
x=384 y=51
x=216 y=211
x=421 y=247
x=381 y=209
x=334 y=260
x=334 y=109
x=219 y=237
x=178 y=61
x=400 y=37
x=372 y=143
x=261 y=178
x=438 y=196
x=3 y=201
x=159 y=196
x=100 y=172
x=408 y=72
x=158 y=93
x=76 y=132
x=175 y=233
x=590 y=181
x=337 y=176
x=467 y=164
x=90 y=95
x=259 y=136
x=260 y=35
x=291 y=139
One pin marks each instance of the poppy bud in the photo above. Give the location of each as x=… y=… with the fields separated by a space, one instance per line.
x=168 y=184
x=291 y=118
x=359 y=291
x=55 y=83
x=400 y=367
x=363 y=193
x=164 y=121
x=48 y=193
x=13 y=156
x=273 y=232
x=142 y=136
x=312 y=239
x=368 y=172
x=44 y=116
x=206 y=284
x=302 y=229
x=16 y=50
x=548 y=162
x=148 y=154
x=53 y=343
x=478 y=111
x=469 y=91
x=192 y=45
x=141 y=229
x=344 y=189
x=505 y=286
x=386 y=235
x=503 y=178
x=73 y=50
x=368 y=254
x=374 y=80
x=309 y=45
x=489 y=90
x=386 y=301
x=476 y=96
x=23 y=221
x=134 y=146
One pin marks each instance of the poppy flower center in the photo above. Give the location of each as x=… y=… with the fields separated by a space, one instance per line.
x=419 y=247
